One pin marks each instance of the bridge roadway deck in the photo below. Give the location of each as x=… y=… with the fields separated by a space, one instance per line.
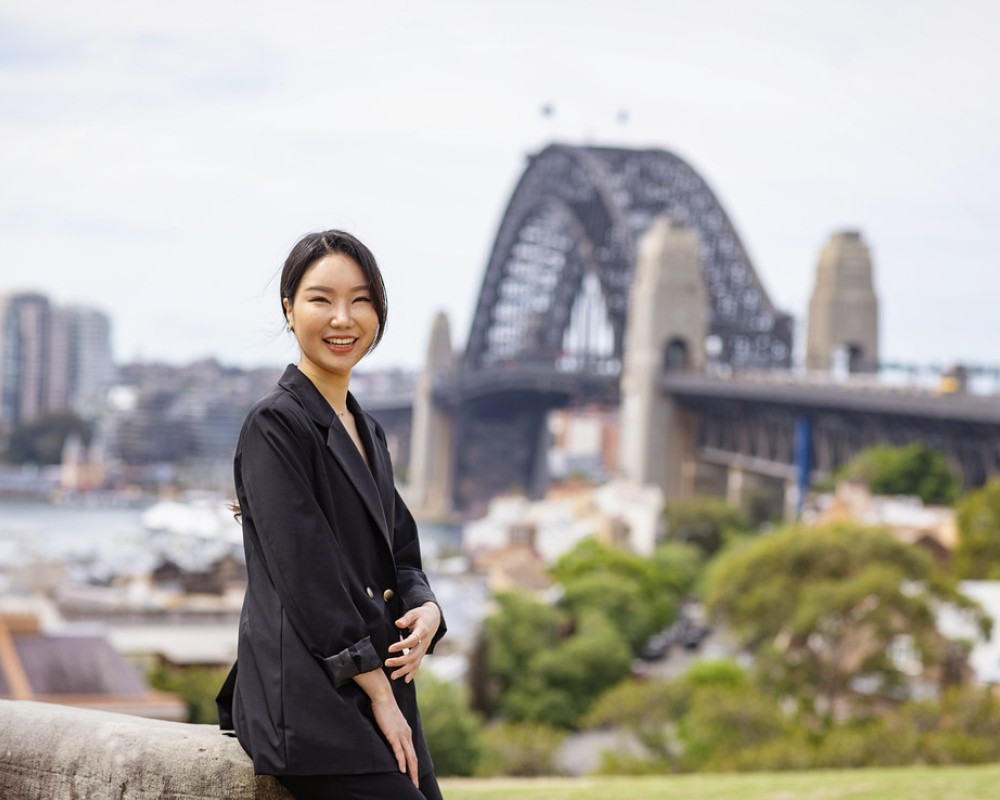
x=790 y=391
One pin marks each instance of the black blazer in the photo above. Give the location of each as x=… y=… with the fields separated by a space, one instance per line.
x=332 y=560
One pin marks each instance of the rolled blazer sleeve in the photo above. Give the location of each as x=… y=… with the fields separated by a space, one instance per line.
x=275 y=478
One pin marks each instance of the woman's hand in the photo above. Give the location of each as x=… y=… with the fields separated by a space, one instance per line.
x=423 y=623
x=390 y=721
x=397 y=732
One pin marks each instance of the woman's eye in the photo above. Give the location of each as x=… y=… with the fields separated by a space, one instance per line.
x=318 y=300
x=362 y=299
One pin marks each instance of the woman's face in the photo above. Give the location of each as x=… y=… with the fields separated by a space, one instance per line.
x=332 y=316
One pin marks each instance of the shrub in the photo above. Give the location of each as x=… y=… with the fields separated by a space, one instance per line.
x=915 y=470
x=197 y=685
x=708 y=523
x=453 y=731
x=522 y=749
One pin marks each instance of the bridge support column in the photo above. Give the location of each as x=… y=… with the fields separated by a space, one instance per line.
x=689 y=473
x=735 y=486
x=431 y=486
x=667 y=324
x=791 y=508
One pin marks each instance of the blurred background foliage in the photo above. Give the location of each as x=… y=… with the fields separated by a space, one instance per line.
x=841 y=661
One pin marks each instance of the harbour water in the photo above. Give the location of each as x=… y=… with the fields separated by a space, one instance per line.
x=93 y=542
x=98 y=541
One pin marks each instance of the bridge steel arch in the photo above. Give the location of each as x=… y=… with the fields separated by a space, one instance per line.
x=549 y=325
x=580 y=211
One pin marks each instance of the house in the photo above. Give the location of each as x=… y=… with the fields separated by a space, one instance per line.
x=73 y=665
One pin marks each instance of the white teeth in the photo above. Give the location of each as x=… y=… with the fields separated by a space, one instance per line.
x=342 y=342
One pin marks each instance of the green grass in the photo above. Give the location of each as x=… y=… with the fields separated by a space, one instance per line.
x=910 y=783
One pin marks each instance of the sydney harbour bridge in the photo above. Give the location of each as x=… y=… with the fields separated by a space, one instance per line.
x=549 y=331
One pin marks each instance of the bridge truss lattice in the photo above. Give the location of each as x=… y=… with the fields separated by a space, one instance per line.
x=557 y=282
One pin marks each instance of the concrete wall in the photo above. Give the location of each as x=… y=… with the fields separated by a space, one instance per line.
x=50 y=752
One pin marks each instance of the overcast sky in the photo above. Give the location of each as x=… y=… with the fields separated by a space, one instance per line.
x=157 y=160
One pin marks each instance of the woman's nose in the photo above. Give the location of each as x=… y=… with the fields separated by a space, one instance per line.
x=341 y=314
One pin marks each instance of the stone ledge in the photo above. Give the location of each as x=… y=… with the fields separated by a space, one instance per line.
x=50 y=752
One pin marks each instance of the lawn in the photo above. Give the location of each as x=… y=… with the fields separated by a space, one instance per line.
x=911 y=783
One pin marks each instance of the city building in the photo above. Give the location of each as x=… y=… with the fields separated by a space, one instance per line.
x=51 y=359
x=25 y=328
x=91 y=369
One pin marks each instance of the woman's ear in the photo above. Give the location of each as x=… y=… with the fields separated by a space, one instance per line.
x=288 y=312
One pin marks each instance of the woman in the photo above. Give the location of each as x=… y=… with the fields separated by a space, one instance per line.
x=338 y=613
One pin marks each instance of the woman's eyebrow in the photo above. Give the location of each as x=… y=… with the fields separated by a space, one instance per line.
x=360 y=288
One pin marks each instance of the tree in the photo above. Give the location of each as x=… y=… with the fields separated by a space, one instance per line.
x=977 y=555
x=41 y=440
x=836 y=615
x=558 y=686
x=549 y=663
x=638 y=595
x=520 y=628
x=915 y=470
x=708 y=523
x=620 y=600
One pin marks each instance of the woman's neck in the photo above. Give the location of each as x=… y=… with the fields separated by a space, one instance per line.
x=332 y=387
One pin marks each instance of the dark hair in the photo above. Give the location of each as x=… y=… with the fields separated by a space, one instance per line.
x=314 y=246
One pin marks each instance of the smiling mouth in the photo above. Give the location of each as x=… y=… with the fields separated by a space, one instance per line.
x=339 y=342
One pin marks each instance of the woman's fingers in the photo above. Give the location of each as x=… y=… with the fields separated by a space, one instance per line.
x=397 y=732
x=406 y=759
x=412 y=642
x=411 y=764
x=422 y=623
x=406 y=664
x=400 y=753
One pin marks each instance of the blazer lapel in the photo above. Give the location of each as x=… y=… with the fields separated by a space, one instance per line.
x=381 y=467
x=342 y=447
x=340 y=444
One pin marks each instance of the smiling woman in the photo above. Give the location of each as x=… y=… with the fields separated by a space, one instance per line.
x=338 y=613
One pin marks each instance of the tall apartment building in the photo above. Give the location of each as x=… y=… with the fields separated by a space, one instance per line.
x=91 y=369
x=51 y=358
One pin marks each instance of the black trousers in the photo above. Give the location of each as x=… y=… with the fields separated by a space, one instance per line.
x=375 y=786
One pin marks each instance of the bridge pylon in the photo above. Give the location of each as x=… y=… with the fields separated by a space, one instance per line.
x=431 y=486
x=843 y=309
x=667 y=325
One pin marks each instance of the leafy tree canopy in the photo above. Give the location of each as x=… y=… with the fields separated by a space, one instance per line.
x=708 y=523
x=915 y=470
x=558 y=686
x=977 y=555
x=639 y=595
x=825 y=607
x=520 y=628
